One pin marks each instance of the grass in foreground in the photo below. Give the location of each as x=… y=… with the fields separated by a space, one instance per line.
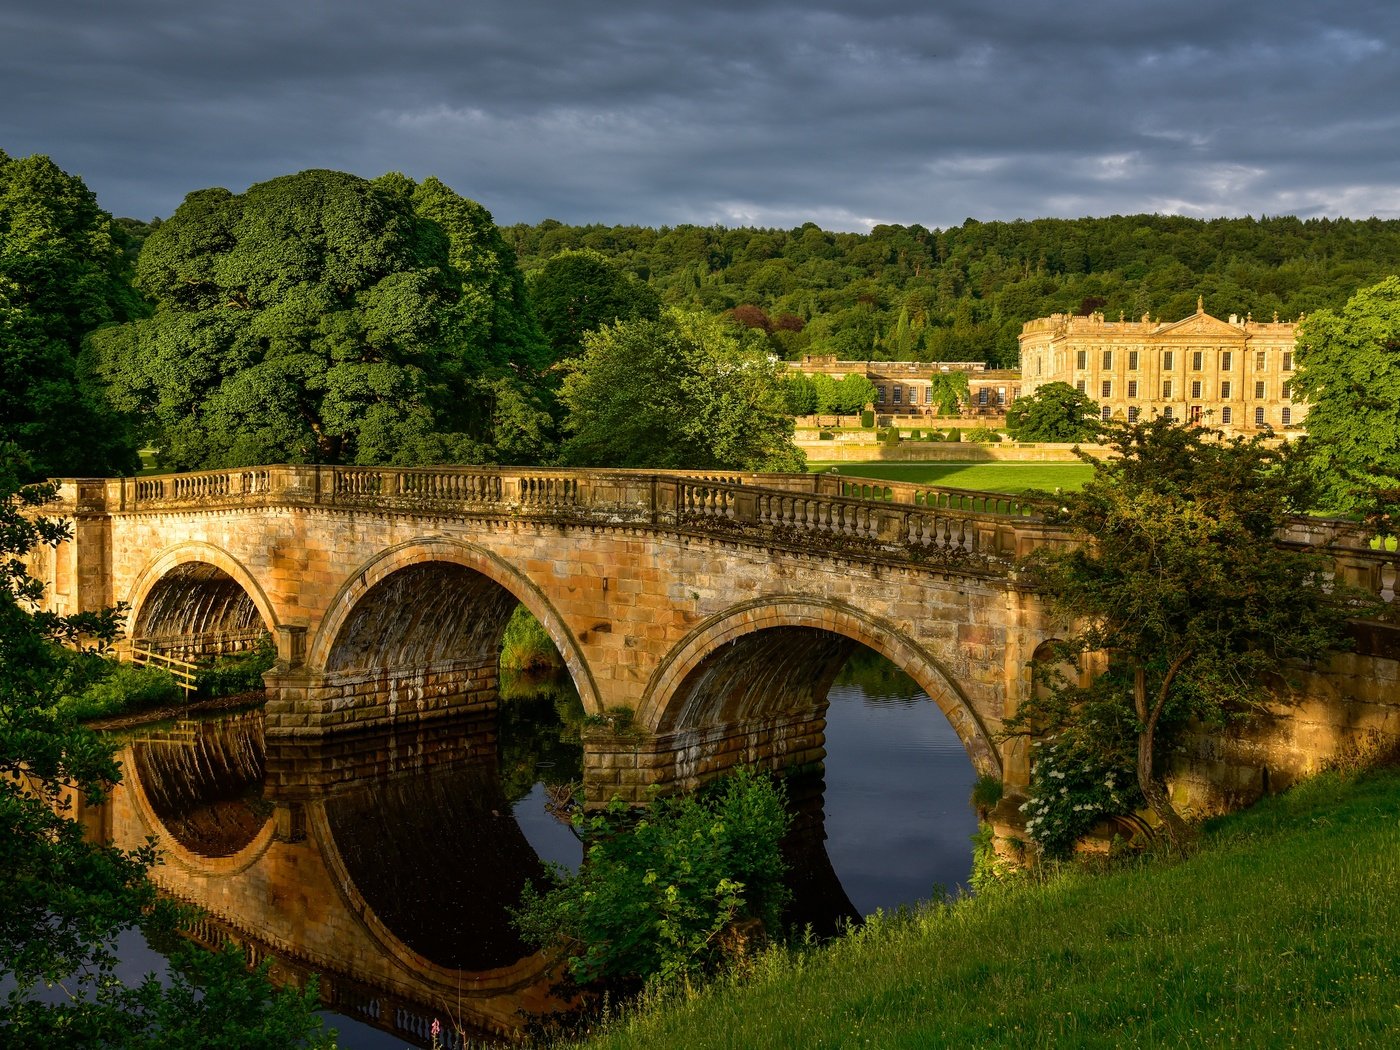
x=1283 y=931
x=1012 y=478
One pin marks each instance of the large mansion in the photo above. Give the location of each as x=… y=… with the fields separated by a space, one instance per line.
x=1236 y=375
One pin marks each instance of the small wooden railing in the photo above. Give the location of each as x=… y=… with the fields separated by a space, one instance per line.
x=183 y=671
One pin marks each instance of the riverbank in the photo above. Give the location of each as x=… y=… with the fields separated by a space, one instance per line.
x=1281 y=931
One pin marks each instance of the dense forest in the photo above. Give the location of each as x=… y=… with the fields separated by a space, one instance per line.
x=322 y=317
x=962 y=294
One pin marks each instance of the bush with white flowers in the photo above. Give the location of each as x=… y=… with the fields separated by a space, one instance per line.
x=1073 y=786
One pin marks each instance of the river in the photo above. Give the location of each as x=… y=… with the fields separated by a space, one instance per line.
x=411 y=845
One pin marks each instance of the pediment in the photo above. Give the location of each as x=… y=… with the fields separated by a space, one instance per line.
x=1203 y=326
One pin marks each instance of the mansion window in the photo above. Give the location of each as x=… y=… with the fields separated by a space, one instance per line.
x=1224 y=389
x=1227 y=415
x=1195 y=413
x=1132 y=360
x=1106 y=388
x=1227 y=360
x=1195 y=388
x=1081 y=359
x=1039 y=365
x=1167 y=413
x=982 y=397
x=1259 y=416
x=880 y=395
x=1166 y=388
x=1132 y=413
x=1081 y=386
x=1108 y=358
x=898 y=395
x=1259 y=360
x=1287 y=393
x=1259 y=388
x=1288 y=417
x=1198 y=360
x=1288 y=360
x=1105 y=413
x=928 y=395
x=1167 y=358
x=1132 y=388
x=1001 y=395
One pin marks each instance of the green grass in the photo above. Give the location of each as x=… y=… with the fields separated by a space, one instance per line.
x=1011 y=478
x=1283 y=931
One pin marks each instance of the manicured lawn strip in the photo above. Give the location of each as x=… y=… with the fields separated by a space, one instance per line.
x=1284 y=931
x=992 y=477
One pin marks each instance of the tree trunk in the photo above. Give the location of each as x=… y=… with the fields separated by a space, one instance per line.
x=1179 y=833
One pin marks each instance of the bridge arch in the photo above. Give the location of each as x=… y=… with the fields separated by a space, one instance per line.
x=196 y=588
x=677 y=699
x=348 y=633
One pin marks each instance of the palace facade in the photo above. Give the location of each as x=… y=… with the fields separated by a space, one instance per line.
x=904 y=388
x=1236 y=375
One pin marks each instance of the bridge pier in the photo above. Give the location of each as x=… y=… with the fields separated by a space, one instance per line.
x=304 y=701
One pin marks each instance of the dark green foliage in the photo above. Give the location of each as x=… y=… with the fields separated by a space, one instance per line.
x=1183 y=588
x=867 y=419
x=62 y=274
x=962 y=294
x=686 y=391
x=320 y=317
x=63 y=899
x=1055 y=412
x=240 y=673
x=118 y=688
x=946 y=389
x=653 y=898
x=526 y=645
x=580 y=291
x=1349 y=373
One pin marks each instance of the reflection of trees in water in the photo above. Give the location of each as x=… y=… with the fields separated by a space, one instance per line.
x=540 y=726
x=881 y=681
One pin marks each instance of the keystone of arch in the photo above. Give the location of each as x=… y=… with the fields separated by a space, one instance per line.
x=836 y=617
x=469 y=556
x=190 y=552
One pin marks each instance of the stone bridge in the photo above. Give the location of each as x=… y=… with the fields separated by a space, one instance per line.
x=702 y=617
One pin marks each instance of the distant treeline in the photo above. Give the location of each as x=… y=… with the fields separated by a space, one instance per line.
x=910 y=293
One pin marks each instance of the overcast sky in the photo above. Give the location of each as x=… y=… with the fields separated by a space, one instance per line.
x=741 y=113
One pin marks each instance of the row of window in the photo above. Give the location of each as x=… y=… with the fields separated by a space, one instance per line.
x=896 y=395
x=1227 y=360
x=1227 y=416
x=1197 y=388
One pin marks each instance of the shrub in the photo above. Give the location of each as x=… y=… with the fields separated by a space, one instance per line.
x=867 y=419
x=241 y=673
x=651 y=900
x=955 y=433
x=826 y=435
x=526 y=645
x=983 y=435
x=120 y=688
x=1074 y=783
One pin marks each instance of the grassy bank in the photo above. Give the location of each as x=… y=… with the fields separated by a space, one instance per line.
x=1283 y=931
x=992 y=477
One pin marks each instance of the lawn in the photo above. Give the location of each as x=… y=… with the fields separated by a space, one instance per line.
x=1011 y=478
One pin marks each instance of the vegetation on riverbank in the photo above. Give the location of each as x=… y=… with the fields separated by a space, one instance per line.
x=1278 y=932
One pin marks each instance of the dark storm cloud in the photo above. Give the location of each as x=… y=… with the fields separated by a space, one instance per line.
x=761 y=112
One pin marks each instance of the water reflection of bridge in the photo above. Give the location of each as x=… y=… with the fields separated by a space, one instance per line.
x=383 y=861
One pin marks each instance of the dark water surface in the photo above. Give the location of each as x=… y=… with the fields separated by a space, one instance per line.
x=419 y=834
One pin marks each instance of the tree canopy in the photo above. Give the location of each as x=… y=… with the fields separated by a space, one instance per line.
x=62 y=273
x=1349 y=373
x=1182 y=589
x=579 y=291
x=321 y=317
x=683 y=391
x=1055 y=412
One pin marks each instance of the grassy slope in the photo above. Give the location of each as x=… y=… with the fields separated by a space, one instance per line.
x=994 y=477
x=1284 y=931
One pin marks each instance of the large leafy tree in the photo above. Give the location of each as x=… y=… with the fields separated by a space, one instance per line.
x=62 y=273
x=1055 y=412
x=63 y=898
x=321 y=317
x=580 y=291
x=1349 y=372
x=1182 y=590
x=684 y=391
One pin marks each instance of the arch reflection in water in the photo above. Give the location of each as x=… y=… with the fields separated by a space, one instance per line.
x=383 y=862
